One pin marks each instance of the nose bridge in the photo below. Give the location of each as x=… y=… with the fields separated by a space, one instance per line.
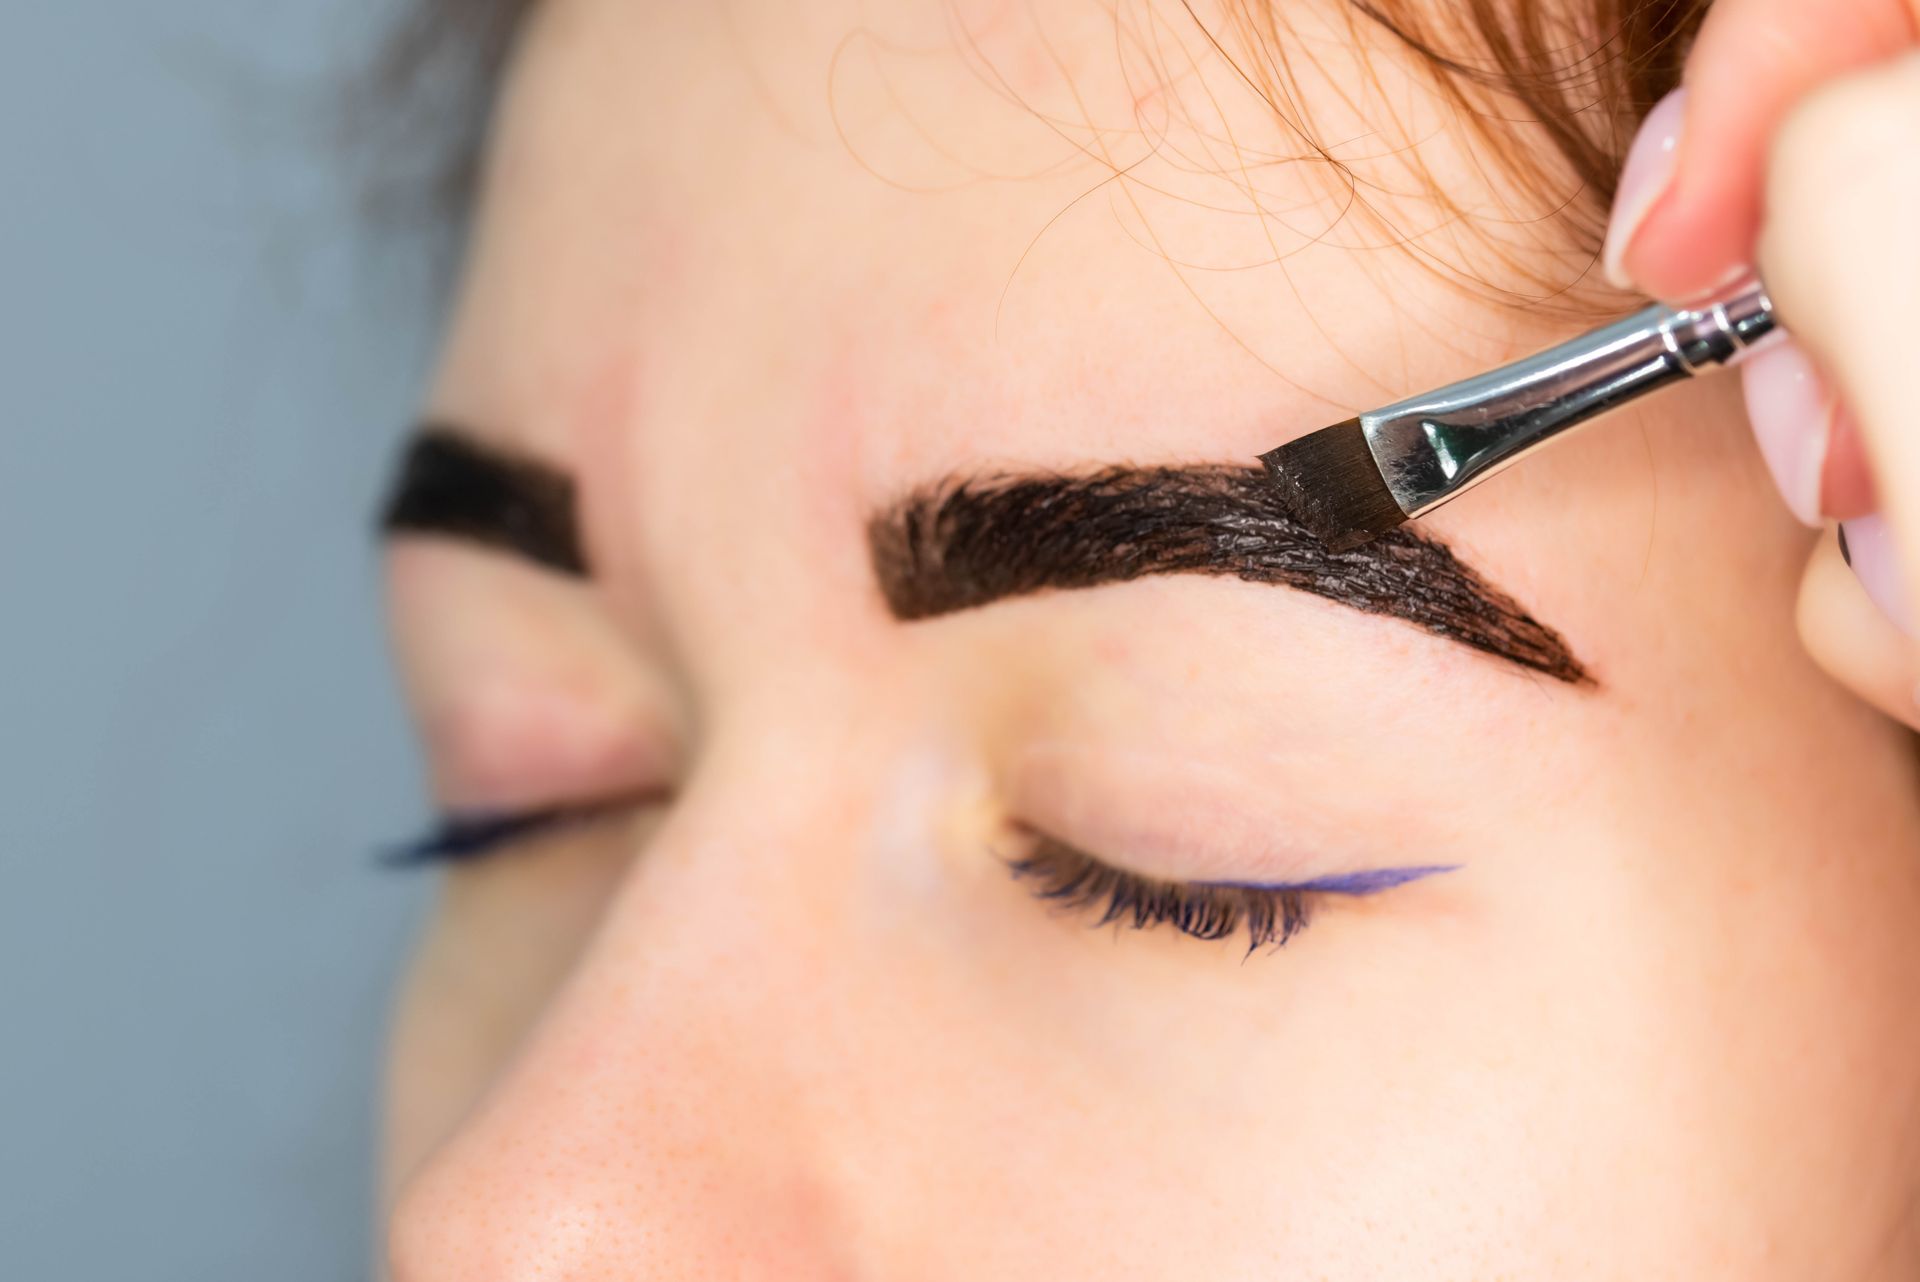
x=662 y=1110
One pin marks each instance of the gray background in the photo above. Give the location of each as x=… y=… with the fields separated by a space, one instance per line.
x=205 y=359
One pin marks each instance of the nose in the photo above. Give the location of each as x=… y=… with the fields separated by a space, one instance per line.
x=664 y=1119
x=536 y=1195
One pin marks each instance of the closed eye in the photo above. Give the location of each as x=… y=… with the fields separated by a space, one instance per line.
x=1270 y=913
x=467 y=837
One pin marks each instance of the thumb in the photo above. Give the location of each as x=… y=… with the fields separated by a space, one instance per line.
x=1840 y=252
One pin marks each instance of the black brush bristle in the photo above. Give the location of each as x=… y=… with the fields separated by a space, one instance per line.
x=1331 y=485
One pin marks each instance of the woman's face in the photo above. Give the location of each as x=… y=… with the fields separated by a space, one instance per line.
x=768 y=282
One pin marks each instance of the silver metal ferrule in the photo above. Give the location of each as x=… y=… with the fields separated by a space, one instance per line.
x=1437 y=445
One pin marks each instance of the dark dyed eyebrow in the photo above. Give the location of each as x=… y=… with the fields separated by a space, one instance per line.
x=965 y=543
x=450 y=484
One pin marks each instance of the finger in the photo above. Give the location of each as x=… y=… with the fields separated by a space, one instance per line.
x=1846 y=485
x=1791 y=408
x=1850 y=636
x=1841 y=256
x=1807 y=437
x=1752 y=61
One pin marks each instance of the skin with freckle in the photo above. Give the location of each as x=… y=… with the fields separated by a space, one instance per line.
x=756 y=276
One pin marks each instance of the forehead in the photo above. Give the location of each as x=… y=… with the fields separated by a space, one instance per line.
x=976 y=218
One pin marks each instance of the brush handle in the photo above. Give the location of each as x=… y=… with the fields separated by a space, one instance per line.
x=1436 y=445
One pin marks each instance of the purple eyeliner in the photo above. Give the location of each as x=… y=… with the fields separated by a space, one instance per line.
x=1369 y=882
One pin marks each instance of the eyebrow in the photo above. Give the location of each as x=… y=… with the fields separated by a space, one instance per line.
x=450 y=484
x=968 y=542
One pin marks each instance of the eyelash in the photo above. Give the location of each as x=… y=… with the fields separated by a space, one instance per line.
x=1055 y=873
x=460 y=839
x=1078 y=882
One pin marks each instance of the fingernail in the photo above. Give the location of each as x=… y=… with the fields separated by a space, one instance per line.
x=1792 y=416
x=1645 y=176
x=1867 y=544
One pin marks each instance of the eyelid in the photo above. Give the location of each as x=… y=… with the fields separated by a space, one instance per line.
x=518 y=747
x=528 y=694
x=1169 y=816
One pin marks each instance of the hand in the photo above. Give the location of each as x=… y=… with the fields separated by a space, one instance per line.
x=1796 y=145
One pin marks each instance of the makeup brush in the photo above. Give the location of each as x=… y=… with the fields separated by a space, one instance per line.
x=1356 y=480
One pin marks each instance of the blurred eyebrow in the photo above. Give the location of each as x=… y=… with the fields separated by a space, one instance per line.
x=967 y=542
x=450 y=484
